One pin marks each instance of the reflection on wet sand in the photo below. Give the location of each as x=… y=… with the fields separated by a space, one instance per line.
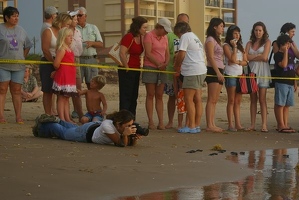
x=274 y=178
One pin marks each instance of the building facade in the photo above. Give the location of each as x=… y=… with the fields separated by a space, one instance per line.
x=3 y=4
x=113 y=17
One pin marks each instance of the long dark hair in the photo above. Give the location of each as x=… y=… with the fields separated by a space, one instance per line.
x=211 y=30
x=287 y=27
x=136 y=24
x=264 y=37
x=9 y=11
x=230 y=35
x=121 y=117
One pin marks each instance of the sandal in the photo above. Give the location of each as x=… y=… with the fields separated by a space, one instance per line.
x=3 y=121
x=19 y=121
x=183 y=130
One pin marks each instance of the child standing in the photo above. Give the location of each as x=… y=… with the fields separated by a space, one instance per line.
x=64 y=84
x=284 y=88
x=180 y=103
x=94 y=99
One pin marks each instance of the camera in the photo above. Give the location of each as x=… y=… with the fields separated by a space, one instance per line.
x=140 y=130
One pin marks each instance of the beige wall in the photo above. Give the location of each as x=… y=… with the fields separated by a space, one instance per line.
x=106 y=14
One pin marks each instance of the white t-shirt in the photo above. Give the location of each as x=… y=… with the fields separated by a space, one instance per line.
x=194 y=61
x=99 y=135
x=233 y=69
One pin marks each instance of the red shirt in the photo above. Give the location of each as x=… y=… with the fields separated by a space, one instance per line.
x=135 y=50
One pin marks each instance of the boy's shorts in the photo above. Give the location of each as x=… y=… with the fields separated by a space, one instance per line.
x=96 y=114
x=180 y=102
x=284 y=94
x=168 y=88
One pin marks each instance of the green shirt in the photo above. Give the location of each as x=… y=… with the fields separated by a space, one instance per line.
x=172 y=39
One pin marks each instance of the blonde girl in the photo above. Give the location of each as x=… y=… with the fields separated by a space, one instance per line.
x=64 y=84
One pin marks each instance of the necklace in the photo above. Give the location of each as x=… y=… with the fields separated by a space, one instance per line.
x=11 y=35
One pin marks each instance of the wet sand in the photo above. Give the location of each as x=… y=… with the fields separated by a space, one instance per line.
x=37 y=168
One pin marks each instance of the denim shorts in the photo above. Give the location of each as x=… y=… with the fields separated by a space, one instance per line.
x=284 y=94
x=230 y=81
x=13 y=76
x=90 y=116
x=169 y=89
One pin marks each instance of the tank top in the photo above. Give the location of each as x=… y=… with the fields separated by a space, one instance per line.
x=52 y=48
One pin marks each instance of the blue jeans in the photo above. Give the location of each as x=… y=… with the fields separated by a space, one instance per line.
x=64 y=130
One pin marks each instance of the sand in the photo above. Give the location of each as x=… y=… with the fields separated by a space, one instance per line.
x=37 y=168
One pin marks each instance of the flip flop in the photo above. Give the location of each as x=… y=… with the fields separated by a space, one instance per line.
x=3 y=121
x=264 y=130
x=19 y=121
x=286 y=130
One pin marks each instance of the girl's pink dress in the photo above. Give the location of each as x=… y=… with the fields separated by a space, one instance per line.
x=65 y=77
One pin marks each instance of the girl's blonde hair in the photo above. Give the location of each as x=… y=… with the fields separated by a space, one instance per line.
x=62 y=34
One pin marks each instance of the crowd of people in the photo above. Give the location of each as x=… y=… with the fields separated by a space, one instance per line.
x=177 y=63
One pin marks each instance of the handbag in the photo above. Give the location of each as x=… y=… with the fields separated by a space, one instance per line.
x=246 y=83
x=114 y=53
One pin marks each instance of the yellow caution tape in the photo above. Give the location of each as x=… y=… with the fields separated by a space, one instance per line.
x=128 y=69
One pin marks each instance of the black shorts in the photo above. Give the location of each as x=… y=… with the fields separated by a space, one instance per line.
x=212 y=77
x=45 y=71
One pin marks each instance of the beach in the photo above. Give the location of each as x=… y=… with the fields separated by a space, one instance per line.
x=39 y=168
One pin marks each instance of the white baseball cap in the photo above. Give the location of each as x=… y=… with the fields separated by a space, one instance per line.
x=166 y=24
x=73 y=13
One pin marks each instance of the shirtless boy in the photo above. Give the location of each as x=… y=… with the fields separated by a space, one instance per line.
x=94 y=99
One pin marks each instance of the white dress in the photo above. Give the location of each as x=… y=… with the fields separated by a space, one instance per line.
x=261 y=69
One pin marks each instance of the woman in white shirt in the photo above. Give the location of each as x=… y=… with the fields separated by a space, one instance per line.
x=235 y=59
x=117 y=129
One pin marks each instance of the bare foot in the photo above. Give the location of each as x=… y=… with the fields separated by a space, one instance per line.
x=214 y=129
x=151 y=126
x=168 y=126
x=161 y=127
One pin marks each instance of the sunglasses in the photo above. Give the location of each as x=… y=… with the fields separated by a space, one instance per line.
x=80 y=15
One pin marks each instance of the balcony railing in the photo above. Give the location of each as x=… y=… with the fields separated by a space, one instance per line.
x=213 y=3
x=209 y=17
x=172 y=1
x=1 y=8
x=163 y=13
x=228 y=19
x=149 y=12
x=228 y=5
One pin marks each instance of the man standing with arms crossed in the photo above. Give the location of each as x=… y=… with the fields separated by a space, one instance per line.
x=91 y=40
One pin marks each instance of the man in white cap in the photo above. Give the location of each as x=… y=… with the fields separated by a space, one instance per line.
x=50 y=14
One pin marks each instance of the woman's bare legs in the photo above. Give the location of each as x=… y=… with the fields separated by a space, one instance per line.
x=15 y=90
x=149 y=103
x=263 y=105
x=253 y=110
x=159 y=91
x=3 y=92
x=213 y=96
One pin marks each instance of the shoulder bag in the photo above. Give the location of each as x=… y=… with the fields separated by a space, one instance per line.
x=246 y=83
x=114 y=53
